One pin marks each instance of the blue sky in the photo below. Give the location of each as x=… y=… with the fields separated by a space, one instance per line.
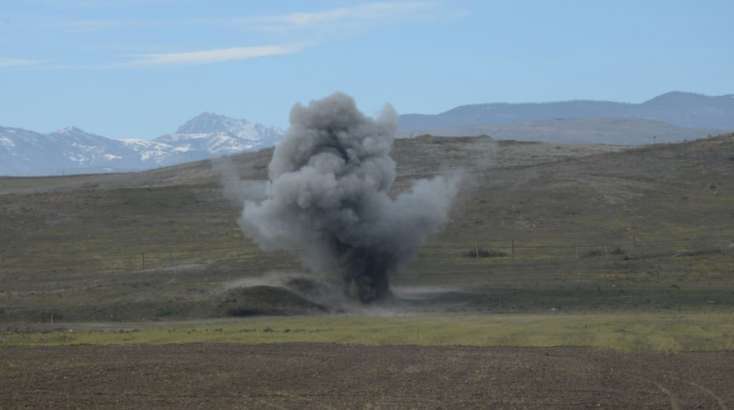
x=140 y=68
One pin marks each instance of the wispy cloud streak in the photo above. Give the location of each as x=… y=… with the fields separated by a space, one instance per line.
x=18 y=62
x=310 y=28
x=373 y=12
x=362 y=13
x=214 y=55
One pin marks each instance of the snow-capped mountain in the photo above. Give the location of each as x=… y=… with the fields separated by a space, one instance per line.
x=220 y=135
x=24 y=152
x=72 y=150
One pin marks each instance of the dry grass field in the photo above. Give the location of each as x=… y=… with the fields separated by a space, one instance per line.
x=569 y=277
x=537 y=227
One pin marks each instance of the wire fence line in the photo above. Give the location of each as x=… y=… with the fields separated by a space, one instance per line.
x=496 y=252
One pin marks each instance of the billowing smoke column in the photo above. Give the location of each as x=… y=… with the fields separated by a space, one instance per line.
x=328 y=197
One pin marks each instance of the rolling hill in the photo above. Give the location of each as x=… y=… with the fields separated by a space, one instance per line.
x=674 y=116
x=671 y=117
x=537 y=226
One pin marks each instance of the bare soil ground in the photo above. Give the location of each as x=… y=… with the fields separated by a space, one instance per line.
x=349 y=376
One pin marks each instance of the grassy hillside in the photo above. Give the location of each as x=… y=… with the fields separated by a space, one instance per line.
x=537 y=227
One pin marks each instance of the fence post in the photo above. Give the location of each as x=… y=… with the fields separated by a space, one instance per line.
x=142 y=259
x=634 y=240
x=512 y=252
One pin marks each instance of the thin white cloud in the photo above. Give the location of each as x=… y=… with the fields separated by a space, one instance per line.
x=362 y=13
x=18 y=62
x=353 y=16
x=214 y=55
x=305 y=27
x=82 y=26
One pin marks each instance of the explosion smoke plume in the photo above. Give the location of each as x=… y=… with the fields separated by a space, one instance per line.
x=328 y=200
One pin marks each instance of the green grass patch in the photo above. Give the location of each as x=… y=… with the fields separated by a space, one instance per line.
x=625 y=331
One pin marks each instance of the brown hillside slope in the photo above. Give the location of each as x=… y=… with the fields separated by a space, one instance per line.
x=153 y=244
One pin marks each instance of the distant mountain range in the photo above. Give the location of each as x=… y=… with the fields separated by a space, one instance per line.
x=72 y=150
x=673 y=116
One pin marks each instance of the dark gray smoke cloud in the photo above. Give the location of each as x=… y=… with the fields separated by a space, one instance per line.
x=328 y=197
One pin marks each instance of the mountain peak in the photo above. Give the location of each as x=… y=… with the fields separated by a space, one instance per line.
x=75 y=132
x=69 y=131
x=24 y=152
x=678 y=97
x=207 y=122
x=698 y=114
